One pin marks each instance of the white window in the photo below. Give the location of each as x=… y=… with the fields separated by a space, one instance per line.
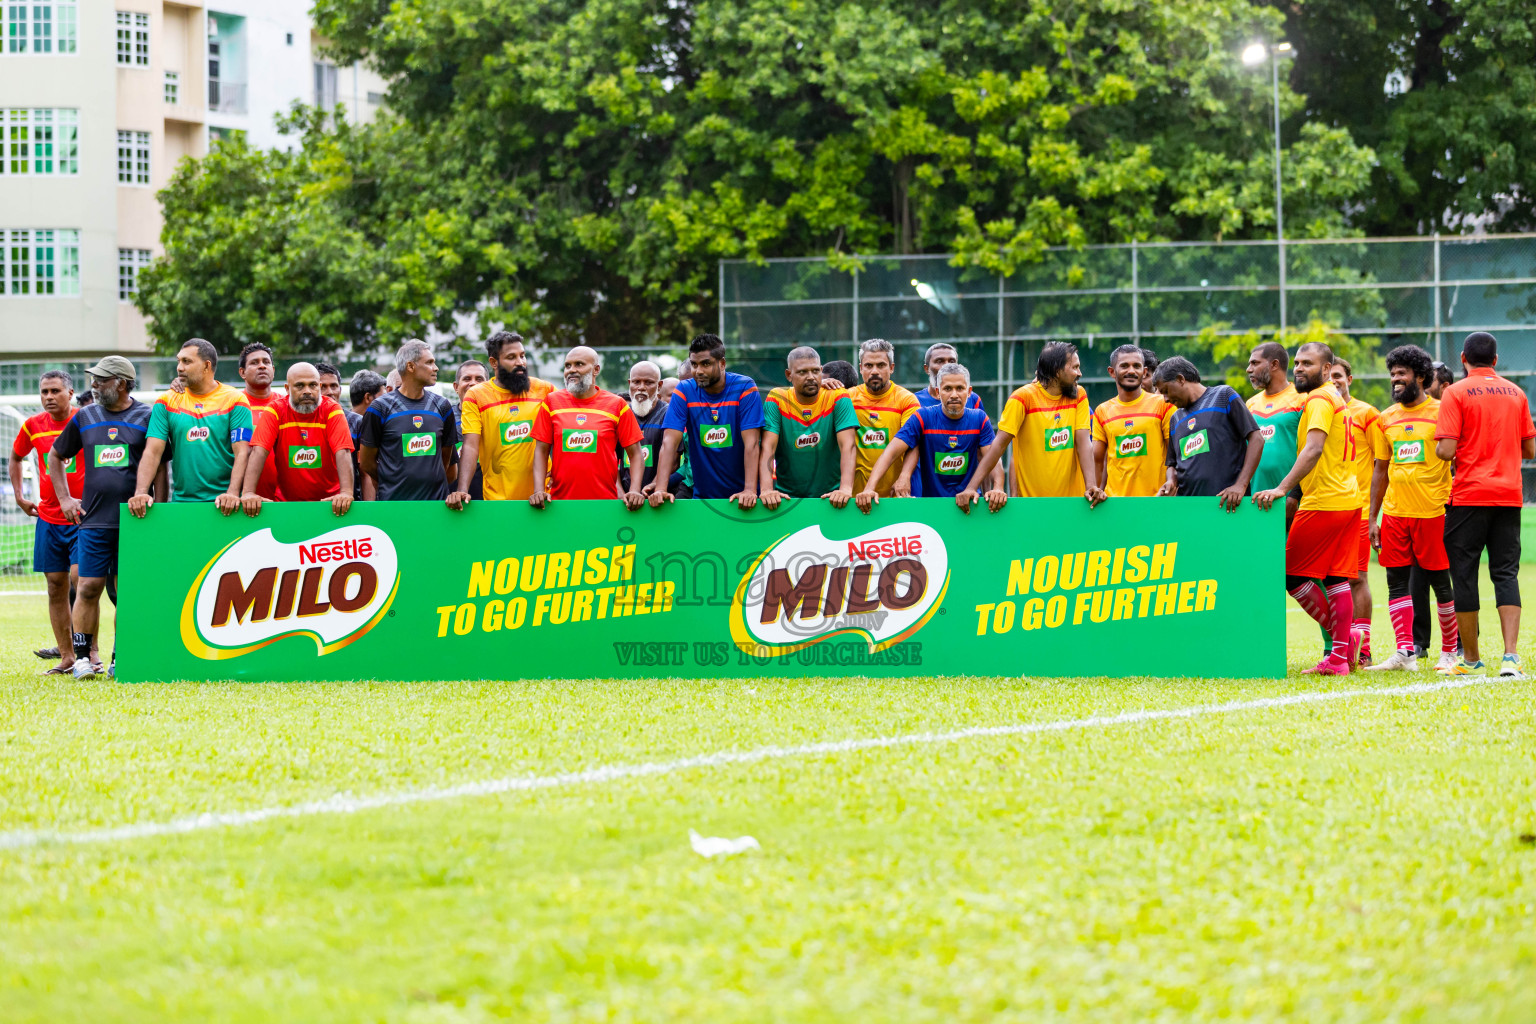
x=39 y=141
x=39 y=262
x=132 y=39
x=133 y=158
x=129 y=263
x=172 y=87
x=35 y=26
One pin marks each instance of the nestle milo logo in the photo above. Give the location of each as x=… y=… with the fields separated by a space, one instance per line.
x=258 y=590
x=715 y=437
x=1195 y=444
x=1408 y=451
x=198 y=433
x=884 y=585
x=1058 y=438
x=1267 y=431
x=303 y=457
x=111 y=455
x=810 y=440
x=1131 y=446
x=419 y=444
x=952 y=465
x=516 y=433
x=580 y=440
x=873 y=437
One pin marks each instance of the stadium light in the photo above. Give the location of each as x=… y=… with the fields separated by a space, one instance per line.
x=1253 y=55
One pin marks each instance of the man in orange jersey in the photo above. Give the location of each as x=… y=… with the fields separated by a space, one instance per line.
x=307 y=437
x=808 y=435
x=1047 y=422
x=53 y=544
x=882 y=407
x=1362 y=416
x=1410 y=485
x=257 y=370
x=1130 y=432
x=577 y=435
x=1322 y=549
x=497 y=419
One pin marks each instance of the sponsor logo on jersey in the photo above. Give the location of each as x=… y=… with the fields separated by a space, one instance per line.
x=647 y=456
x=578 y=440
x=1267 y=431
x=69 y=467
x=111 y=433
x=883 y=586
x=418 y=444
x=1131 y=446
x=197 y=433
x=1195 y=444
x=1058 y=439
x=258 y=590
x=874 y=437
x=953 y=464
x=304 y=457
x=716 y=436
x=516 y=433
x=810 y=440
x=111 y=455
x=1408 y=451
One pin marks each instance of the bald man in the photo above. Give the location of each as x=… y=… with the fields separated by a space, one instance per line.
x=308 y=439
x=577 y=434
x=650 y=408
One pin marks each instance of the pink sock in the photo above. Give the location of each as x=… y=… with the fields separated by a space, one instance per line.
x=1449 y=632
x=1314 y=602
x=1401 y=610
x=1343 y=602
x=1363 y=628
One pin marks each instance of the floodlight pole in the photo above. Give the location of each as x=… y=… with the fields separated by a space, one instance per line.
x=1274 y=67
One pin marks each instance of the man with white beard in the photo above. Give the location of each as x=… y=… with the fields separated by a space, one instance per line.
x=644 y=398
x=308 y=437
x=577 y=434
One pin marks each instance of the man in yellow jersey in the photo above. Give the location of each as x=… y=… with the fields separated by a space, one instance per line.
x=498 y=425
x=881 y=407
x=1322 y=549
x=1047 y=422
x=1130 y=432
x=1409 y=488
x=1361 y=417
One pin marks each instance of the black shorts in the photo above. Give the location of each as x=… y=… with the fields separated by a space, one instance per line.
x=1469 y=531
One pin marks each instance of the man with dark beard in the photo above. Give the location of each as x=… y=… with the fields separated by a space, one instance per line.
x=497 y=421
x=644 y=398
x=578 y=433
x=309 y=442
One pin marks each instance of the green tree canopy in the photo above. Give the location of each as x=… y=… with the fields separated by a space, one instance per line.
x=578 y=166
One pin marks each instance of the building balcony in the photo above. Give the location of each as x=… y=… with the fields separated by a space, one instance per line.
x=226 y=97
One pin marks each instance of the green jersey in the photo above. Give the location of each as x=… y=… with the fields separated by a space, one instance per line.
x=1278 y=416
x=809 y=461
x=200 y=432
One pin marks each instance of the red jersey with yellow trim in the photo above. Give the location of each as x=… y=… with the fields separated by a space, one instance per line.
x=1362 y=417
x=584 y=437
x=303 y=448
x=37 y=435
x=261 y=408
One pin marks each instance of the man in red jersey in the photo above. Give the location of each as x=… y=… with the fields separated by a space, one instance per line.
x=577 y=434
x=257 y=370
x=307 y=440
x=53 y=543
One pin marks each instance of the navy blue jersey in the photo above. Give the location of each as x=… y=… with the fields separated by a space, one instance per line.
x=712 y=424
x=927 y=400
x=1208 y=442
x=112 y=443
x=947 y=450
x=411 y=435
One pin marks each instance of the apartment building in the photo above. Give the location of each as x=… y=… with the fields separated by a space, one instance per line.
x=98 y=103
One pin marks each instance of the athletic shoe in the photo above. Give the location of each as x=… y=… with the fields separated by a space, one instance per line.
x=1448 y=660
x=1466 y=668
x=1510 y=669
x=1419 y=652
x=1400 y=661
x=1329 y=666
x=112 y=669
x=83 y=668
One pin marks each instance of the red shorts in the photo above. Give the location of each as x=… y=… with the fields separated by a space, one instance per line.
x=1419 y=542
x=1323 y=544
x=1365 y=547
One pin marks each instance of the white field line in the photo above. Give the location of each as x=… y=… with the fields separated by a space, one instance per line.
x=345 y=803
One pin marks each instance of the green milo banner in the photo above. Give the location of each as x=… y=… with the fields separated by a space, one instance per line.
x=588 y=589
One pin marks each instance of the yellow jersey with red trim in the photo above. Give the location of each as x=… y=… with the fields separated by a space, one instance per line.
x=1418 y=480
x=1332 y=486
x=1135 y=438
x=880 y=417
x=504 y=422
x=1045 y=429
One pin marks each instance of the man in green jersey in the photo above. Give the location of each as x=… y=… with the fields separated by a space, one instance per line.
x=206 y=426
x=810 y=431
x=1277 y=410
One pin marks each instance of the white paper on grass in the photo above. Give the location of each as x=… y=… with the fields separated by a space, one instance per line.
x=717 y=846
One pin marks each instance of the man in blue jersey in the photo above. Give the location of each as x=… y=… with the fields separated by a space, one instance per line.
x=722 y=415
x=949 y=439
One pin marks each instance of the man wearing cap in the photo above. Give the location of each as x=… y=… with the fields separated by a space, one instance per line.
x=110 y=435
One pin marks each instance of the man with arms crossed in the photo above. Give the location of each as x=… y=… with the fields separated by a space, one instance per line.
x=1485 y=426
x=1214 y=445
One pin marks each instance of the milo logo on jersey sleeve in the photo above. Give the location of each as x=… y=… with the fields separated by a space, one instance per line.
x=953 y=464
x=581 y=440
x=418 y=444
x=197 y=433
x=1058 y=439
x=108 y=455
x=810 y=440
x=517 y=432
x=1407 y=451
x=303 y=457
x=874 y=437
x=1131 y=446
x=1195 y=444
x=718 y=436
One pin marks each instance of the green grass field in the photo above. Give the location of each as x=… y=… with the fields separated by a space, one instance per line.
x=1349 y=859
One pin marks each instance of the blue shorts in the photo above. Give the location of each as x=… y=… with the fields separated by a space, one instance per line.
x=98 y=553
x=53 y=546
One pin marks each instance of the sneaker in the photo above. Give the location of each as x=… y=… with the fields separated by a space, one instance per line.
x=1466 y=668
x=112 y=669
x=1400 y=661
x=1510 y=668
x=1329 y=666
x=83 y=668
x=1420 y=652
x=1448 y=660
